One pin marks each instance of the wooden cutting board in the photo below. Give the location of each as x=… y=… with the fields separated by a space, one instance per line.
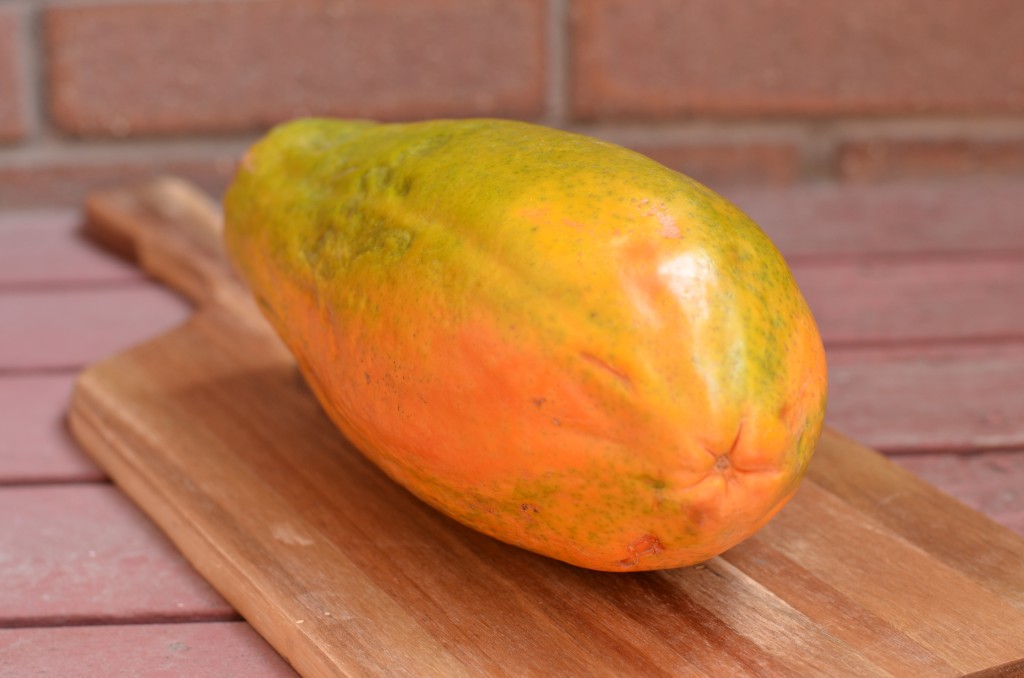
x=211 y=430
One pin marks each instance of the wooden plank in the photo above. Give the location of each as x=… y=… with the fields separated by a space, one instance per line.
x=44 y=248
x=73 y=554
x=67 y=329
x=201 y=650
x=212 y=432
x=1014 y=669
x=810 y=221
x=35 y=445
x=924 y=517
x=289 y=522
x=944 y=398
x=821 y=531
x=905 y=301
x=812 y=594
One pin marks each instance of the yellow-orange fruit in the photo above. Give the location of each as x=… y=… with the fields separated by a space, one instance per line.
x=552 y=339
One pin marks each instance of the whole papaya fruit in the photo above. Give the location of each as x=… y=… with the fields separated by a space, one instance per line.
x=551 y=339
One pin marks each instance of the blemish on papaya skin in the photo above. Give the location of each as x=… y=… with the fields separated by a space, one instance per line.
x=403 y=186
x=669 y=229
x=656 y=487
x=607 y=367
x=647 y=545
x=736 y=440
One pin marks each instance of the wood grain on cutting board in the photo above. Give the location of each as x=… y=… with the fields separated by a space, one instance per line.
x=210 y=429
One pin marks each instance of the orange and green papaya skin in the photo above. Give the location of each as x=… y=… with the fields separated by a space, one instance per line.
x=552 y=339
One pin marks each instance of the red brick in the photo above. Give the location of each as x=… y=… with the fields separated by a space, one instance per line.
x=12 y=127
x=911 y=159
x=182 y=67
x=725 y=165
x=66 y=182
x=664 y=58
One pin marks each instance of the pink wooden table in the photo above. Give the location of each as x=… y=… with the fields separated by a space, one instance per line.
x=919 y=292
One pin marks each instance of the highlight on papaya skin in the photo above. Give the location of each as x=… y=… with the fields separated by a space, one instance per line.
x=501 y=315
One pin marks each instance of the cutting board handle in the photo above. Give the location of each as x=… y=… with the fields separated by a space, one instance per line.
x=172 y=230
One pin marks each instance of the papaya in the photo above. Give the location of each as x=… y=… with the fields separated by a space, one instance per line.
x=549 y=338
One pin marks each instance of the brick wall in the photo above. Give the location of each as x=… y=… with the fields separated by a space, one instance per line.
x=94 y=92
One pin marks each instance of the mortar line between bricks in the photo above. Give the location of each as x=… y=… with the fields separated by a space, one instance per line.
x=140 y=282
x=39 y=90
x=82 y=3
x=50 y=151
x=939 y=341
x=28 y=72
x=965 y=450
x=819 y=151
x=938 y=256
x=53 y=148
x=73 y=284
x=558 y=45
x=128 y=620
x=39 y=370
x=824 y=133
x=37 y=483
